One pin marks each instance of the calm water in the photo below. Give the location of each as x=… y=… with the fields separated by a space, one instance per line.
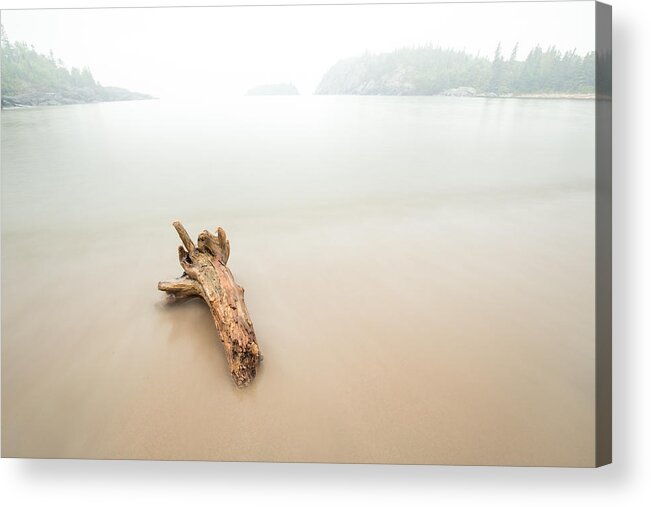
x=419 y=272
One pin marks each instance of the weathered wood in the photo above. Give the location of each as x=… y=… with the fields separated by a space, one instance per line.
x=206 y=276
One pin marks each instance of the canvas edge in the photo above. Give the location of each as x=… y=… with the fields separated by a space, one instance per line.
x=603 y=238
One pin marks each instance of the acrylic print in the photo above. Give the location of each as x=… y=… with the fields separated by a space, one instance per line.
x=334 y=233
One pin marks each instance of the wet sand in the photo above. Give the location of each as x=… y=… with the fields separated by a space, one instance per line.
x=377 y=347
x=457 y=329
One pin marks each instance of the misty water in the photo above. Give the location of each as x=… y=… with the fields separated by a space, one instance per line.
x=419 y=271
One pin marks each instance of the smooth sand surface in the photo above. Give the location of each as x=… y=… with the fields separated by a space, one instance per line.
x=422 y=288
x=440 y=337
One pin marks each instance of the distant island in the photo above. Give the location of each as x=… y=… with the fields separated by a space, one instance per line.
x=429 y=70
x=273 y=89
x=32 y=79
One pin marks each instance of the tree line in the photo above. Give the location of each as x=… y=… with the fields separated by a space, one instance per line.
x=543 y=71
x=429 y=70
x=24 y=70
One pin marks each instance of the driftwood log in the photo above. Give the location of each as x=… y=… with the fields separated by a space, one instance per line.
x=205 y=275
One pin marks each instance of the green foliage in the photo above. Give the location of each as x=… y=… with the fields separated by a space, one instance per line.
x=429 y=70
x=26 y=71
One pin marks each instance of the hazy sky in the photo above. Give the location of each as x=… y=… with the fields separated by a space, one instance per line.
x=172 y=52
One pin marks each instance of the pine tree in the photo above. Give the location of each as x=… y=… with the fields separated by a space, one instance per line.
x=497 y=71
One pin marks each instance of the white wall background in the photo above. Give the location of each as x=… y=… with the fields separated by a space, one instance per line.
x=626 y=482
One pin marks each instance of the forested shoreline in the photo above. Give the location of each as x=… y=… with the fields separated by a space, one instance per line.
x=33 y=79
x=429 y=70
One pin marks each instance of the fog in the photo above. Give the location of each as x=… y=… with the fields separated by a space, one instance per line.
x=210 y=51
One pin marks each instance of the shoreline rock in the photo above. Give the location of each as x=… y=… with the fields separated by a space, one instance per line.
x=71 y=96
x=461 y=91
